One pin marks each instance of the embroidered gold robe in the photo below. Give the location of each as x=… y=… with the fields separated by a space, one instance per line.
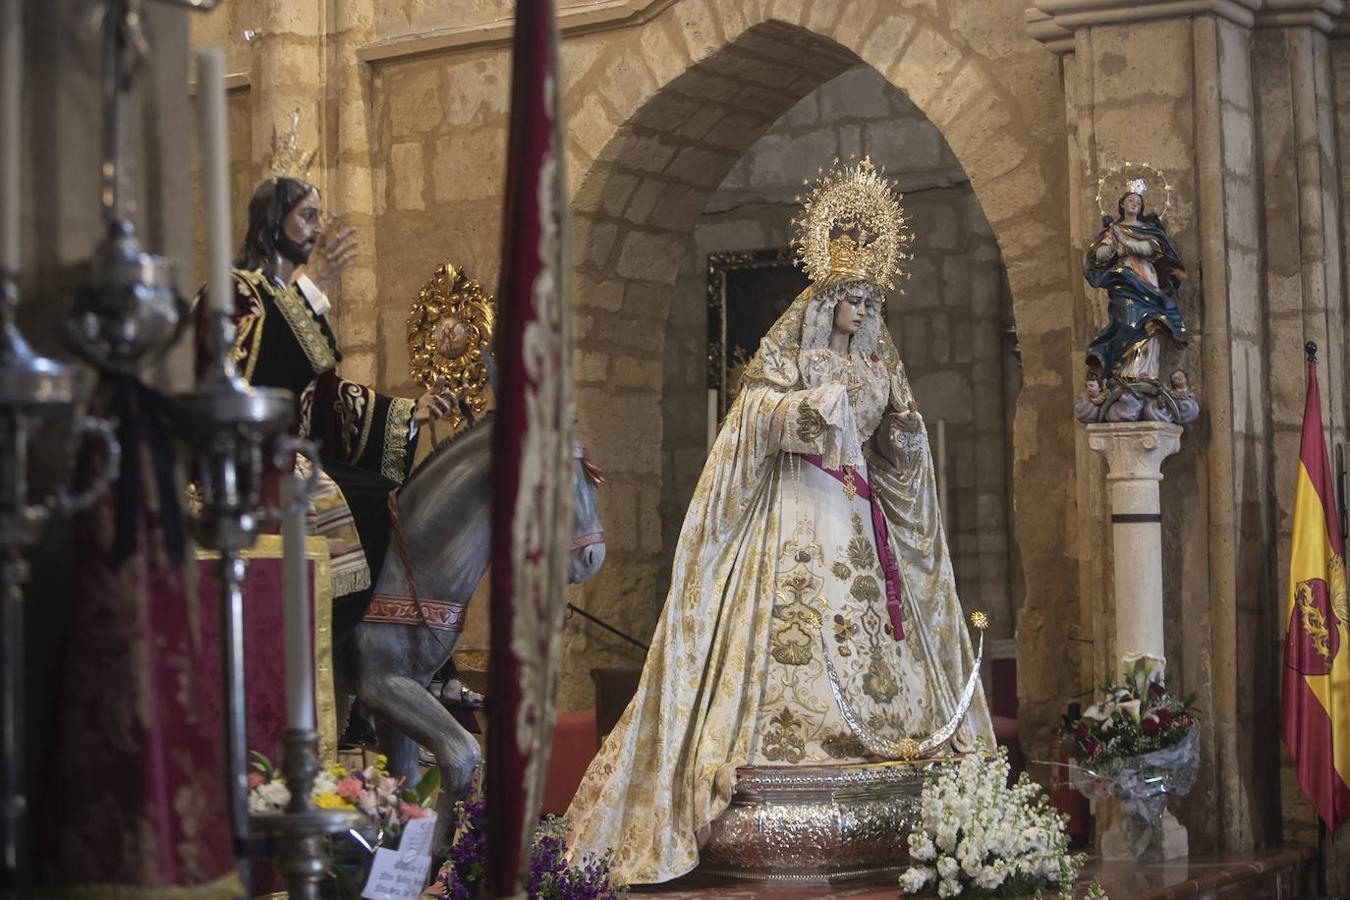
x=776 y=602
x=363 y=436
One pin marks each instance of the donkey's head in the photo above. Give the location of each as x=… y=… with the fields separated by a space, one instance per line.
x=588 y=535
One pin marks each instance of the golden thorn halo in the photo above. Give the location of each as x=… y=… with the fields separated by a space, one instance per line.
x=286 y=159
x=854 y=199
x=1119 y=180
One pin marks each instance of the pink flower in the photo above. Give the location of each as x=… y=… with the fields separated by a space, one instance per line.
x=409 y=811
x=348 y=788
x=254 y=779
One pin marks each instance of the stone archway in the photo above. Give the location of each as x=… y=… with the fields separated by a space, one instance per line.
x=660 y=113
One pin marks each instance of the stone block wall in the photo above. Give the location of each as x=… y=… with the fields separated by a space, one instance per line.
x=949 y=324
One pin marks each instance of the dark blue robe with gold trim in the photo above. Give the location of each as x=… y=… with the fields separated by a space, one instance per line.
x=1133 y=302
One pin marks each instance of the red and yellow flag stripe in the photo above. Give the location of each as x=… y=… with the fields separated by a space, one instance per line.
x=1316 y=685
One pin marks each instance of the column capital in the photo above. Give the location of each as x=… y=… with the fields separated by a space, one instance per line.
x=1134 y=451
x=1323 y=15
x=1053 y=22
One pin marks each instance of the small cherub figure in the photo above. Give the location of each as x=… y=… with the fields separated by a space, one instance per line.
x=1096 y=389
x=1087 y=406
x=1179 y=383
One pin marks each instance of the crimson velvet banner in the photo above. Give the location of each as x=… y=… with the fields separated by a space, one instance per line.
x=265 y=644
x=531 y=454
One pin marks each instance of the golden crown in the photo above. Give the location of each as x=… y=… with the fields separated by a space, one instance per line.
x=852 y=224
x=286 y=159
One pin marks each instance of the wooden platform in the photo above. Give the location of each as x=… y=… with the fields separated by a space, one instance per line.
x=1282 y=874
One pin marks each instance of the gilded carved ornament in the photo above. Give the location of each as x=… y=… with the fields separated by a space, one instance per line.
x=449 y=325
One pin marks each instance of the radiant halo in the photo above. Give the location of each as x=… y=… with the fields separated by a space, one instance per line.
x=1127 y=178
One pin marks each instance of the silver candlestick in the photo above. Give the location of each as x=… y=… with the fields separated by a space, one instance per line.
x=231 y=426
x=34 y=391
x=129 y=308
x=302 y=858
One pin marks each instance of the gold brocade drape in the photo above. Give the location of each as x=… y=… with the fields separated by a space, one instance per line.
x=667 y=770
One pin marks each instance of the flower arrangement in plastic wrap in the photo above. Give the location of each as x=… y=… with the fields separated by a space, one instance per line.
x=551 y=875
x=980 y=837
x=371 y=790
x=1140 y=745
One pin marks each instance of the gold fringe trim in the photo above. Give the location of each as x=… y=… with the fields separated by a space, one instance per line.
x=350 y=582
x=226 y=886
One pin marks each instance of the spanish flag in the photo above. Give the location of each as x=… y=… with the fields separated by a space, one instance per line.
x=1316 y=701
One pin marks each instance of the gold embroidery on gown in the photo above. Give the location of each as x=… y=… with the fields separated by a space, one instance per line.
x=775 y=567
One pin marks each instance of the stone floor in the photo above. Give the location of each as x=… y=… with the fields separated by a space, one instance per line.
x=1282 y=874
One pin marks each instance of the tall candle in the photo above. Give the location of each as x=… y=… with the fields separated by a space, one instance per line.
x=712 y=417
x=940 y=452
x=11 y=104
x=215 y=151
x=298 y=621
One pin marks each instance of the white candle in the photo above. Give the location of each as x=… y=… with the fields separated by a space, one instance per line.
x=295 y=596
x=712 y=418
x=940 y=454
x=215 y=151
x=11 y=105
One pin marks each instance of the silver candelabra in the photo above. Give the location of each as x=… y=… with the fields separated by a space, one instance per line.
x=34 y=391
x=232 y=426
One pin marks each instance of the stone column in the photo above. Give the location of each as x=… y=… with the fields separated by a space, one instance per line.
x=289 y=73
x=353 y=194
x=1134 y=454
x=1170 y=83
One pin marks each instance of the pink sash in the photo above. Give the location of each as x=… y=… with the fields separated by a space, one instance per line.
x=881 y=532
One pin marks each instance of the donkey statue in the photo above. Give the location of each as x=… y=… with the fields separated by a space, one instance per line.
x=442 y=533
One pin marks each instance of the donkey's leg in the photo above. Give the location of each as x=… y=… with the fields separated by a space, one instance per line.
x=407 y=706
x=400 y=750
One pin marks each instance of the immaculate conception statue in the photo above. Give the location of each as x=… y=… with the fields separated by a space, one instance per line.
x=812 y=616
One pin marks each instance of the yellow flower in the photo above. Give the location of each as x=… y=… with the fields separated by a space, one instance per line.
x=337 y=771
x=330 y=800
x=979 y=620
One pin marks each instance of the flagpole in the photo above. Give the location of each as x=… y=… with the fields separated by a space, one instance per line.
x=1310 y=353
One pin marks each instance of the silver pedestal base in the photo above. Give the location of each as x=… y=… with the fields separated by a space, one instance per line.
x=817 y=824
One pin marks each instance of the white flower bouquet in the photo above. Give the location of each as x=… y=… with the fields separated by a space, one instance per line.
x=979 y=837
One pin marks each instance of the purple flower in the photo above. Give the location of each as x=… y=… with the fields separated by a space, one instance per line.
x=551 y=876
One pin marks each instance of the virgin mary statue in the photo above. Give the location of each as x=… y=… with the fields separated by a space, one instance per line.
x=812 y=617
